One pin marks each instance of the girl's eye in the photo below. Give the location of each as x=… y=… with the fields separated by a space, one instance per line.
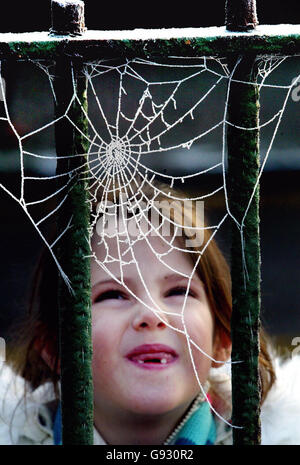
x=114 y=294
x=180 y=291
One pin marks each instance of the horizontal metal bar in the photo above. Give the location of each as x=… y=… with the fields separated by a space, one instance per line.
x=189 y=42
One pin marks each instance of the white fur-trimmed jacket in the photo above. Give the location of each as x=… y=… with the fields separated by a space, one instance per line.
x=31 y=422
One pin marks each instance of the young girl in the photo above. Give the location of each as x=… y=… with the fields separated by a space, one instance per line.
x=150 y=385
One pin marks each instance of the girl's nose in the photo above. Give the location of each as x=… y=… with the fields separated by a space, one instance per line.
x=147 y=319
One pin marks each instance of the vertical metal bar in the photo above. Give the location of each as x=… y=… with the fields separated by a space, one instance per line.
x=67 y=18
x=73 y=252
x=243 y=172
x=240 y=15
x=73 y=246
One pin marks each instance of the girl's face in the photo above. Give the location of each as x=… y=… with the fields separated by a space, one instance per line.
x=140 y=364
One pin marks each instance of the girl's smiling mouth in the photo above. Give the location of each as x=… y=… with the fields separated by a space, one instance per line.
x=152 y=356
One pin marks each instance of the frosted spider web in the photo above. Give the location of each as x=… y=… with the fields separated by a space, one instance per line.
x=151 y=111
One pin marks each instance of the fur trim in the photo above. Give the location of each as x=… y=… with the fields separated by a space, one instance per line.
x=19 y=418
x=280 y=415
x=280 y=412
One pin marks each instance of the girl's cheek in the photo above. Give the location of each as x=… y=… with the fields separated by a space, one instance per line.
x=199 y=326
x=99 y=319
x=99 y=336
x=198 y=322
x=105 y=334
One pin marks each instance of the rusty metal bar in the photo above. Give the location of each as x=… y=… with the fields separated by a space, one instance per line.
x=75 y=333
x=240 y=15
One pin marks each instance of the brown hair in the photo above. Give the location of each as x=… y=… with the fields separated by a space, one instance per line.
x=40 y=327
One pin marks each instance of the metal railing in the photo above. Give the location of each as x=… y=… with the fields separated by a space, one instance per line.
x=68 y=42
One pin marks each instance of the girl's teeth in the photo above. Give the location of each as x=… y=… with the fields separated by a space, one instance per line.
x=163 y=361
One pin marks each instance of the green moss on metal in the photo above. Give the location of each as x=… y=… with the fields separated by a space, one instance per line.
x=202 y=46
x=243 y=171
x=183 y=46
x=34 y=49
x=74 y=251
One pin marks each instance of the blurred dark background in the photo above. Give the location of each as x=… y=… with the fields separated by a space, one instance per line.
x=280 y=186
x=35 y=16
